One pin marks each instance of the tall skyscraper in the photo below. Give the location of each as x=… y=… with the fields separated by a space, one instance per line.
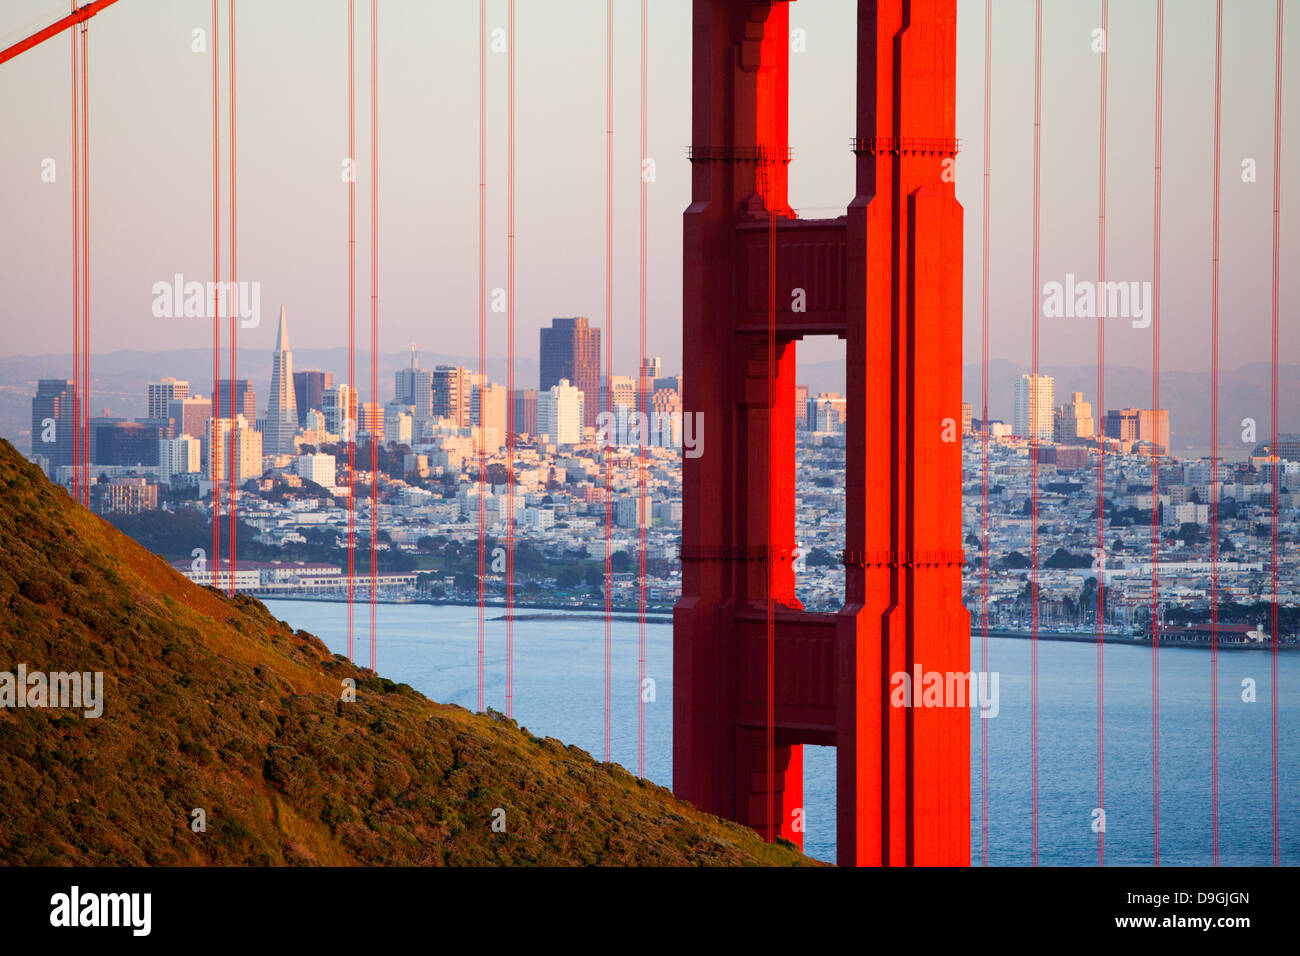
x=340 y=407
x=451 y=394
x=414 y=386
x=525 y=401
x=309 y=389
x=178 y=456
x=666 y=429
x=1035 y=412
x=245 y=399
x=163 y=393
x=247 y=449
x=488 y=409
x=570 y=350
x=189 y=416
x=560 y=414
x=372 y=420
x=54 y=410
x=624 y=392
x=117 y=442
x=801 y=406
x=1153 y=427
x=828 y=412
x=1122 y=423
x=281 y=405
x=1074 y=421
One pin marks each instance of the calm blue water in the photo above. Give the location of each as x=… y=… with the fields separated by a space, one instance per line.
x=559 y=692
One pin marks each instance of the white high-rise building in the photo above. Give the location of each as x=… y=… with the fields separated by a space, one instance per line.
x=1035 y=407
x=162 y=393
x=178 y=456
x=320 y=469
x=398 y=423
x=559 y=413
x=282 y=405
x=248 y=449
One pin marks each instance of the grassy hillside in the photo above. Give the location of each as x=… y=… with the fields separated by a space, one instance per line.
x=213 y=704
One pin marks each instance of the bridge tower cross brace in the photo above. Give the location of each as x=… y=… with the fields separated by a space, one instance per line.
x=886 y=278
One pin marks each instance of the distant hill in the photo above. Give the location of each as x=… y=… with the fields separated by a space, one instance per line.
x=211 y=703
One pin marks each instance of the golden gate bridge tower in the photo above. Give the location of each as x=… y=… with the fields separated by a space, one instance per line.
x=886 y=278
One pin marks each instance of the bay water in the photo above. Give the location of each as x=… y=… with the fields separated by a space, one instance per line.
x=559 y=691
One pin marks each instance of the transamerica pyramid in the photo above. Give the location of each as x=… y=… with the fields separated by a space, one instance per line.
x=281 y=406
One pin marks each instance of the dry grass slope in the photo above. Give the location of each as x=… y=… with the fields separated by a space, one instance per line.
x=212 y=703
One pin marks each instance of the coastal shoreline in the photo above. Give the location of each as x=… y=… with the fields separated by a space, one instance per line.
x=658 y=615
x=629 y=615
x=1082 y=638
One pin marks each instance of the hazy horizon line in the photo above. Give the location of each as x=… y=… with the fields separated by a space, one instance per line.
x=498 y=357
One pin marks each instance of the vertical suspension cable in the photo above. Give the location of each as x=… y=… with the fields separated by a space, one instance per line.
x=510 y=372
x=1033 y=427
x=232 y=461
x=642 y=519
x=349 y=430
x=85 y=265
x=1101 y=456
x=1155 y=464
x=374 y=331
x=482 y=333
x=984 y=428
x=78 y=389
x=607 y=451
x=1273 y=450
x=1214 y=446
x=218 y=433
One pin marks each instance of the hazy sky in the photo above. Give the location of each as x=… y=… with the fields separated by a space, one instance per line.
x=151 y=176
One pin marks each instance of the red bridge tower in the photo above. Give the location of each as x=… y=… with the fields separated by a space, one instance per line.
x=886 y=277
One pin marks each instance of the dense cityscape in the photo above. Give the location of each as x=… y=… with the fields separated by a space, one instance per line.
x=155 y=478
